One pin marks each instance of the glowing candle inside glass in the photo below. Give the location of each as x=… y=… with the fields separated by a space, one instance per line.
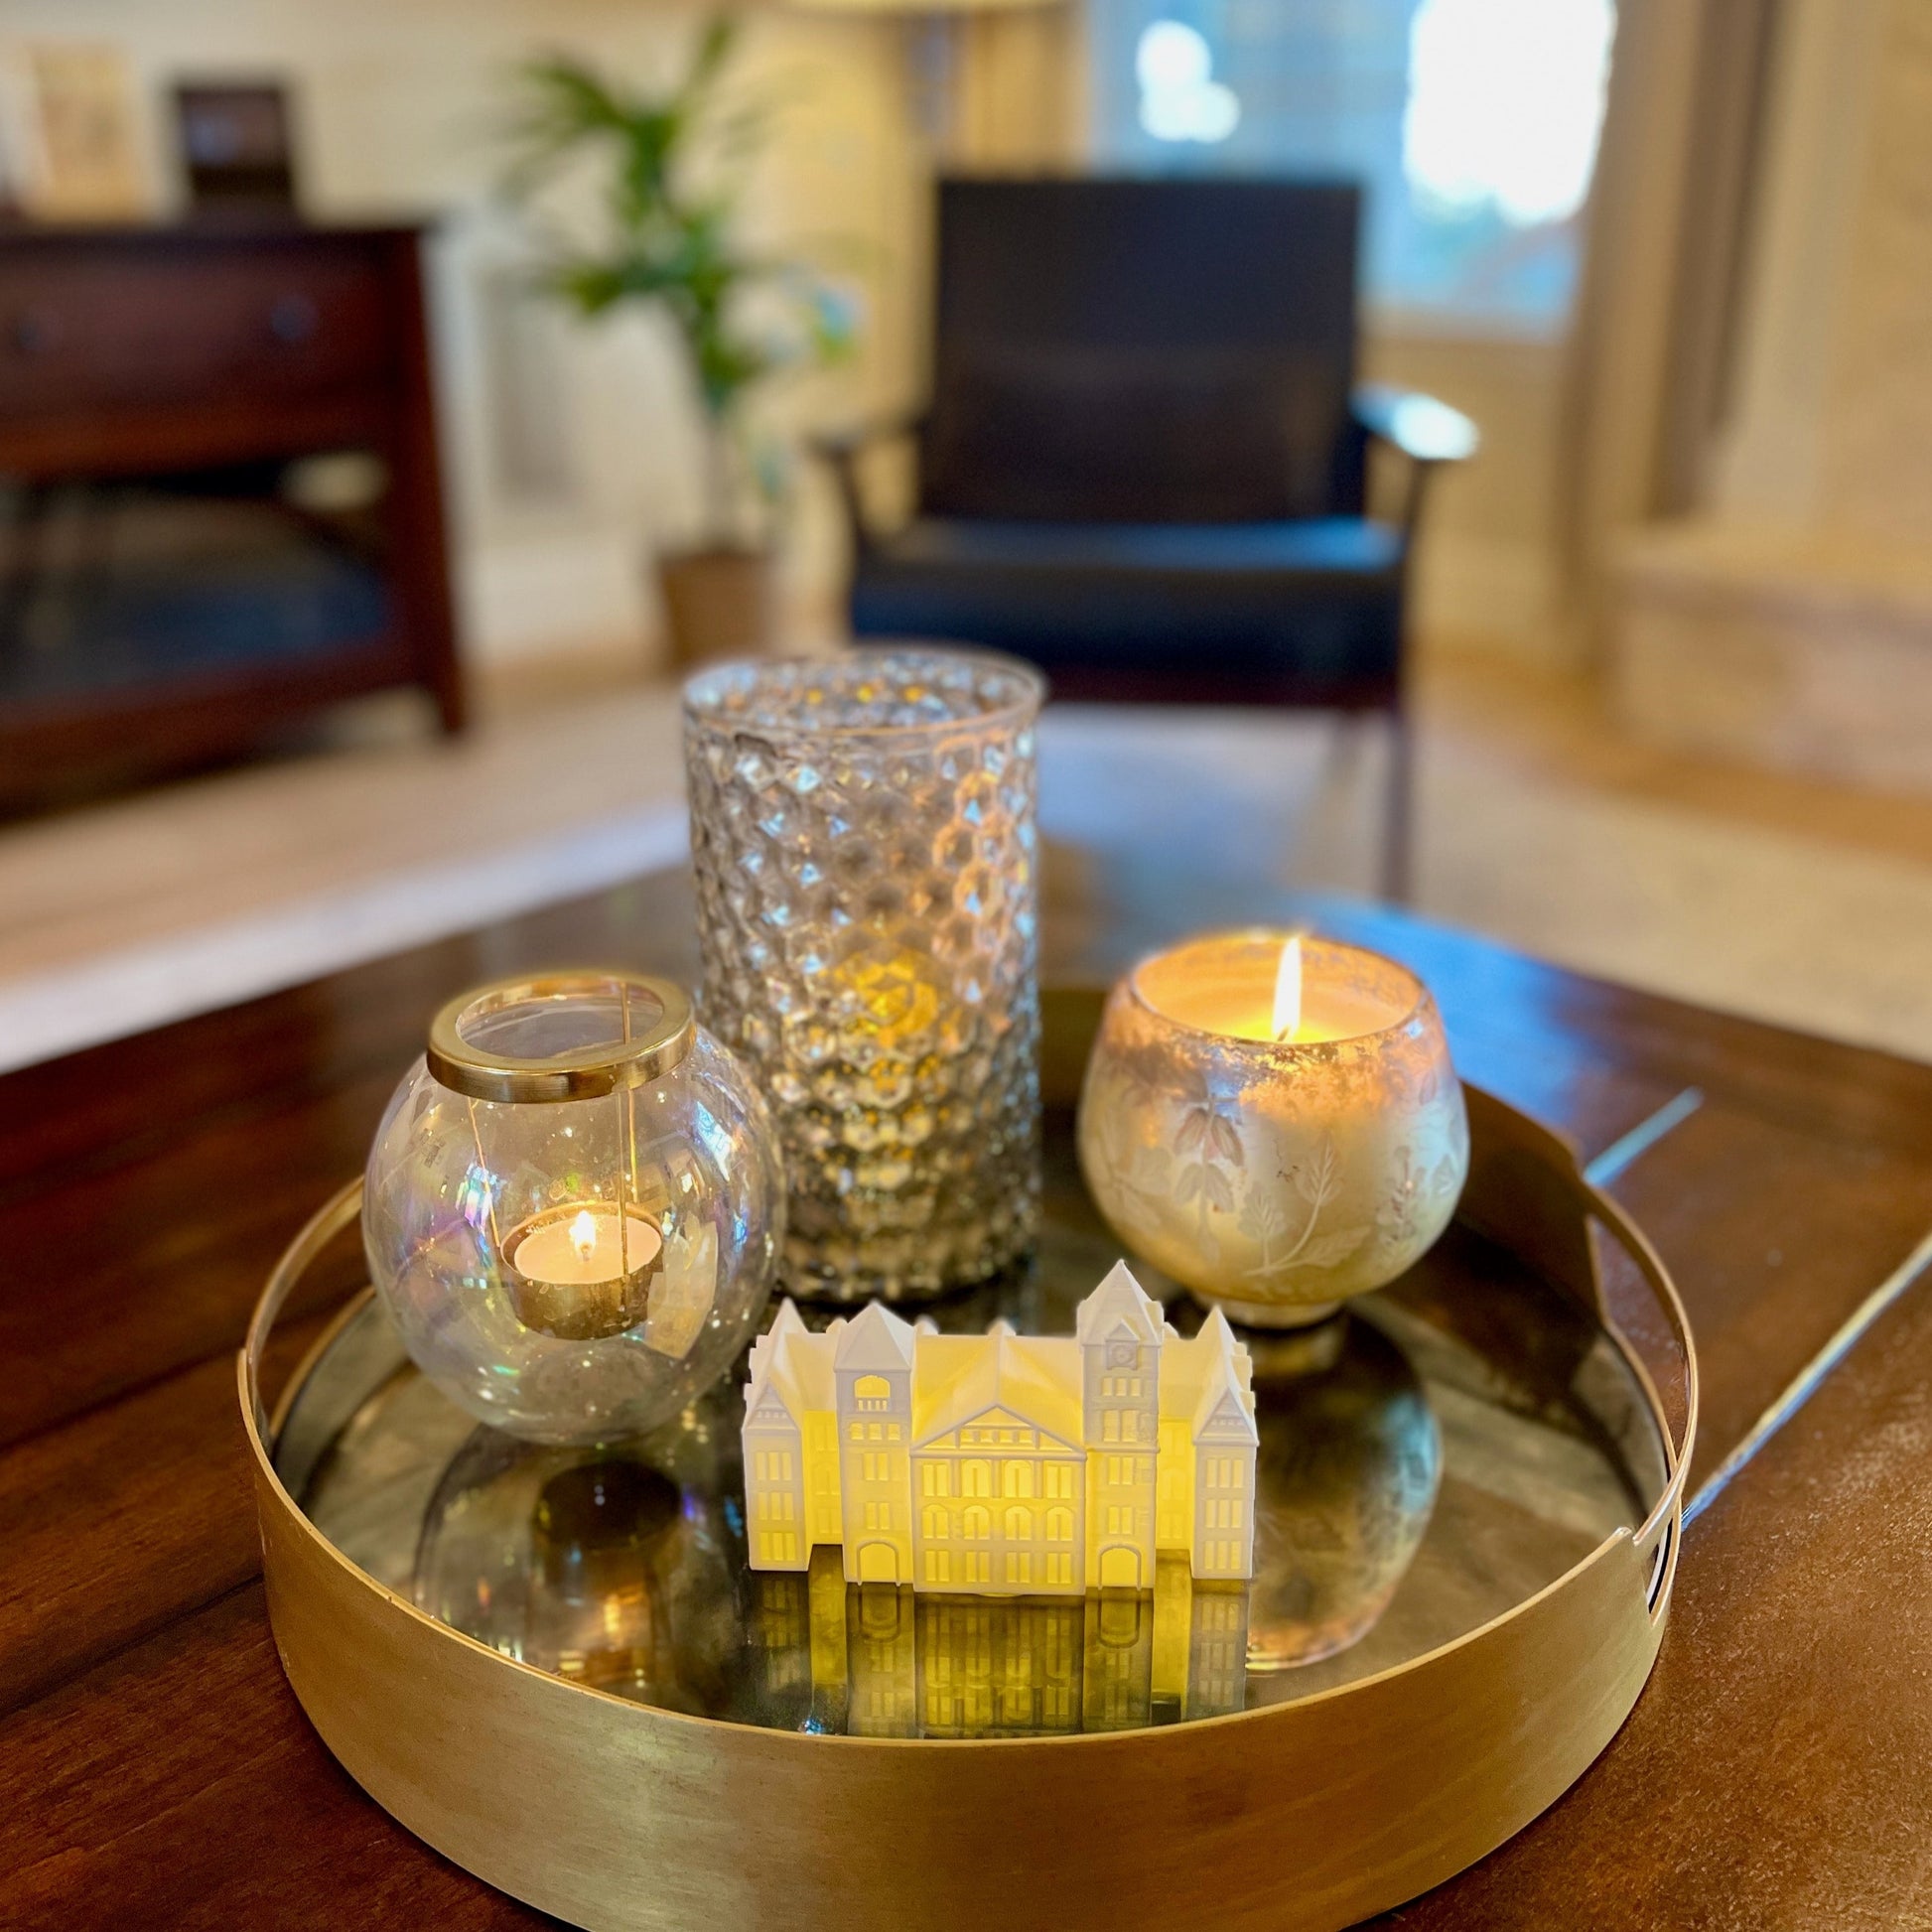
x=584 y=1270
x=581 y=1249
x=1265 y=990
x=1272 y=1121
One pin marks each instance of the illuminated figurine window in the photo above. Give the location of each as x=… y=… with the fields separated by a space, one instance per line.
x=1035 y=1421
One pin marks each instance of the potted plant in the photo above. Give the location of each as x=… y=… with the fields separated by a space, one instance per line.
x=670 y=167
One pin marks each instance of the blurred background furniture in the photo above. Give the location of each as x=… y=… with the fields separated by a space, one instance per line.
x=1144 y=463
x=222 y=500
x=237 y=147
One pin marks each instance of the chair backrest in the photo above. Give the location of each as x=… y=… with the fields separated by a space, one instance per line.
x=1149 y=351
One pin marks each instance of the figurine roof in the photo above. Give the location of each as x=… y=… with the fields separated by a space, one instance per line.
x=959 y=1378
x=1119 y=1300
x=876 y=1338
x=1212 y=1380
x=1037 y=1379
x=789 y=1357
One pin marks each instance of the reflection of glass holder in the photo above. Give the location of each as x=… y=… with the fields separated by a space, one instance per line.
x=1524 y=1615
x=606 y=1566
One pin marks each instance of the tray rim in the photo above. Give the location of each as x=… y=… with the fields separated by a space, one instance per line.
x=519 y=1867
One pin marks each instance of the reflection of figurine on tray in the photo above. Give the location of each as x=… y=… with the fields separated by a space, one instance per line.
x=895 y=1663
x=1004 y=1464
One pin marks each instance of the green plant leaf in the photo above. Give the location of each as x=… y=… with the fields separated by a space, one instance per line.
x=670 y=164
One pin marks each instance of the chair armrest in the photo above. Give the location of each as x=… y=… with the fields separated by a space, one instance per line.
x=1429 y=433
x=1422 y=428
x=842 y=449
x=841 y=445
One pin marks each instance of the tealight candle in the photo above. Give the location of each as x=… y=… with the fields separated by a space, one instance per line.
x=583 y=1270
x=1274 y=1122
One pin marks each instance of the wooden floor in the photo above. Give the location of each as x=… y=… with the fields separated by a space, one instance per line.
x=1553 y=724
x=1538 y=823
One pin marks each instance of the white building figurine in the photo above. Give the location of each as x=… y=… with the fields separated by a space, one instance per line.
x=1004 y=1464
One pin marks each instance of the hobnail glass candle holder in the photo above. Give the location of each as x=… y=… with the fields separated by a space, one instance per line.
x=574 y=1205
x=863 y=834
x=1274 y=1178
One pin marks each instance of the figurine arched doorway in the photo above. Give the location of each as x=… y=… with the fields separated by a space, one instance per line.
x=1120 y=1569
x=878 y=1564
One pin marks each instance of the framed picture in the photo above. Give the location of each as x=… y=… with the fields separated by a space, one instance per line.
x=236 y=143
x=73 y=138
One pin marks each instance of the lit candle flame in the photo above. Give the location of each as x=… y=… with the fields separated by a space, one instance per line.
x=1287 y=991
x=583 y=1235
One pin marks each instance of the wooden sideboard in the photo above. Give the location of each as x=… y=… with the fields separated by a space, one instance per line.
x=224 y=506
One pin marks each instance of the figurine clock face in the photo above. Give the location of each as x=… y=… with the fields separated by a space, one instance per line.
x=1121 y=1355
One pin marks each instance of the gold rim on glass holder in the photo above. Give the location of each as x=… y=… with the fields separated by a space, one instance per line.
x=633 y=1059
x=1320 y=1811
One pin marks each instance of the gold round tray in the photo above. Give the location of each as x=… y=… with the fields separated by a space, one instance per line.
x=554 y=1667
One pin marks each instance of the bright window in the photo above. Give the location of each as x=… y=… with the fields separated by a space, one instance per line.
x=1473 y=125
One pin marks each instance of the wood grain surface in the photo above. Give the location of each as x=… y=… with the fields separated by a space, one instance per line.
x=156 y=1770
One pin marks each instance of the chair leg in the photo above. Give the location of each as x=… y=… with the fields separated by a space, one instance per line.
x=1398 y=811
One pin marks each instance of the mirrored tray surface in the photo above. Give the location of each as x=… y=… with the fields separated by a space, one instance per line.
x=1429 y=1459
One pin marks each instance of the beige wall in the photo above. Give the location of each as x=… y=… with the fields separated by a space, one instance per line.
x=397 y=100
x=1817 y=136
x=1875 y=472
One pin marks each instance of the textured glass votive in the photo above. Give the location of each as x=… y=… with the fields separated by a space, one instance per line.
x=1273 y=1176
x=863 y=835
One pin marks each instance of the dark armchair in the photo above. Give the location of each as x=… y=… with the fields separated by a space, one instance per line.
x=1143 y=464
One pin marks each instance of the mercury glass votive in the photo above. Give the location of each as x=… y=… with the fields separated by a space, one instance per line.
x=863 y=836
x=1275 y=1154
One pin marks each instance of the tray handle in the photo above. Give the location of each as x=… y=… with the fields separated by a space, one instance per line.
x=1661 y=1529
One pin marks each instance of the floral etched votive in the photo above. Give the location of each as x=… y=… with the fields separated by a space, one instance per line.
x=863 y=836
x=1274 y=1122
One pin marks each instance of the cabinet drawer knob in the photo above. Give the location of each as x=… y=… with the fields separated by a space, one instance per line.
x=293 y=319
x=34 y=332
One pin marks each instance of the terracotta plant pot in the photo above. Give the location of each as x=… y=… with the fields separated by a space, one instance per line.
x=719 y=602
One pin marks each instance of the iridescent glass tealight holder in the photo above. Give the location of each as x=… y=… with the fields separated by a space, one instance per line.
x=863 y=835
x=574 y=1206
x=1275 y=1154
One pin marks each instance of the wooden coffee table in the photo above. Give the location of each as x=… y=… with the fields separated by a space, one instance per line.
x=155 y=1768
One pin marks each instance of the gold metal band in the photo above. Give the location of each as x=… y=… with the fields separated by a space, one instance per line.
x=582 y=1075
